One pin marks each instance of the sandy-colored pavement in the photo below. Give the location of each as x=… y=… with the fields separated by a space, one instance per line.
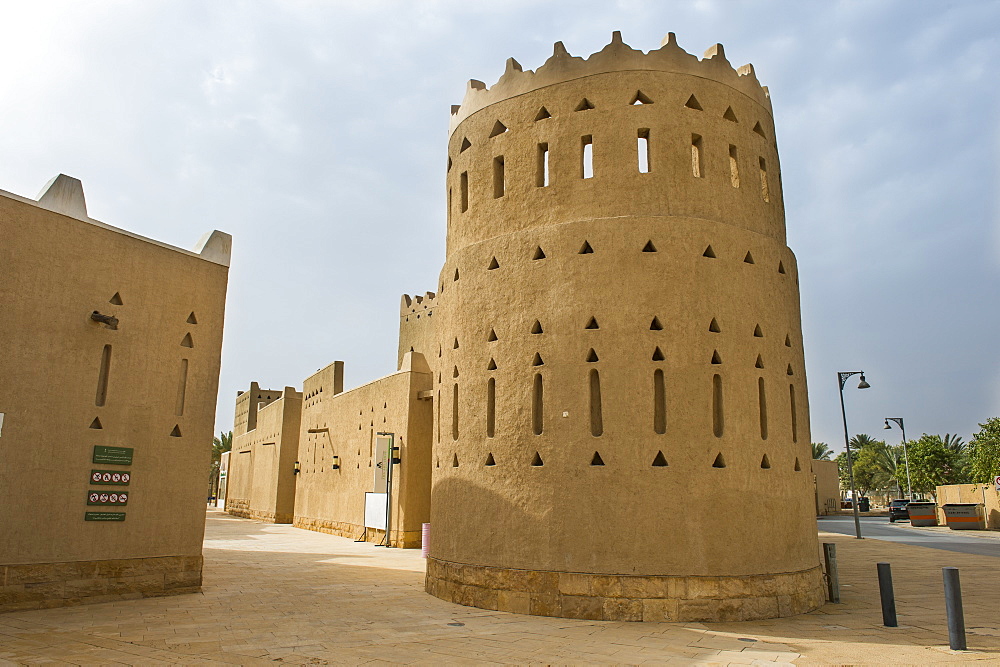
x=273 y=593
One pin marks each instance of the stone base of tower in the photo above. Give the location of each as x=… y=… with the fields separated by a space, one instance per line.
x=626 y=597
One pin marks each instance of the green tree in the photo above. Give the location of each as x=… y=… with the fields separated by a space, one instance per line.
x=984 y=452
x=220 y=444
x=876 y=466
x=933 y=464
x=821 y=451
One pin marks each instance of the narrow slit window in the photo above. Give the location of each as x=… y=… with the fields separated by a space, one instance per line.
x=181 y=389
x=696 y=144
x=718 y=417
x=454 y=412
x=542 y=169
x=587 y=157
x=596 y=412
x=734 y=167
x=491 y=396
x=438 y=416
x=764 y=194
x=537 y=418
x=762 y=403
x=102 y=377
x=642 y=147
x=463 y=185
x=659 y=402
x=499 y=184
x=795 y=423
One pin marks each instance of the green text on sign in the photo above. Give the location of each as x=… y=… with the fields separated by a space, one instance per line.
x=104 y=516
x=118 y=456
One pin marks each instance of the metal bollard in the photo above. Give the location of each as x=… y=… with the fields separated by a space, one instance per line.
x=832 y=578
x=953 y=606
x=885 y=592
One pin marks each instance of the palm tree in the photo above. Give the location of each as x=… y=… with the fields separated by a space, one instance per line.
x=821 y=451
x=222 y=443
x=862 y=440
x=954 y=443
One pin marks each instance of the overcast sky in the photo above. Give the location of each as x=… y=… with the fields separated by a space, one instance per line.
x=315 y=133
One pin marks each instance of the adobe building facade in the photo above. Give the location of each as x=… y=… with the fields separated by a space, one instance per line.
x=110 y=372
x=606 y=395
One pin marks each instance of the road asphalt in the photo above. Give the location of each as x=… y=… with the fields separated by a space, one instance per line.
x=879 y=528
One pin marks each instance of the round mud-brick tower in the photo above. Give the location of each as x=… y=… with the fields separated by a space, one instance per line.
x=623 y=427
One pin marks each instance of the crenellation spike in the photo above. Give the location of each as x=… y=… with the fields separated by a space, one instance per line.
x=455 y=108
x=715 y=50
x=476 y=84
x=559 y=50
x=512 y=66
x=616 y=37
x=669 y=40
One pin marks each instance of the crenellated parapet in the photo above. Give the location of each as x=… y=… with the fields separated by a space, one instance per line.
x=417 y=304
x=615 y=57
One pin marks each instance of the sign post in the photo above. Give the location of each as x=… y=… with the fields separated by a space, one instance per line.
x=386 y=454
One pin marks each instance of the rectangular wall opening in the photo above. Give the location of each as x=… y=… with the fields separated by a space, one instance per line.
x=454 y=413
x=762 y=405
x=696 y=155
x=795 y=423
x=596 y=410
x=734 y=167
x=542 y=166
x=463 y=185
x=718 y=417
x=499 y=184
x=537 y=420
x=765 y=195
x=587 y=157
x=102 y=376
x=659 y=402
x=491 y=397
x=181 y=388
x=642 y=148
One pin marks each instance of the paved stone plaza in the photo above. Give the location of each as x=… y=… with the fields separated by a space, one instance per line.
x=274 y=593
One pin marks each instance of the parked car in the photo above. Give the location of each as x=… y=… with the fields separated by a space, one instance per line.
x=897 y=510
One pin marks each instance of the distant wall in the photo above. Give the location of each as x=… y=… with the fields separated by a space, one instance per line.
x=827 y=476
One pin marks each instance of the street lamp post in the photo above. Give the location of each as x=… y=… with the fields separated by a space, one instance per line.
x=906 y=458
x=842 y=378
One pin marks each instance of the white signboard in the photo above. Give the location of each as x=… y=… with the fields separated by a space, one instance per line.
x=375 y=510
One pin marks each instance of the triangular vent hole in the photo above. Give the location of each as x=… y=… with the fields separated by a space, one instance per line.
x=749 y=258
x=760 y=362
x=781 y=267
x=798 y=468
x=597 y=460
x=537 y=361
x=454 y=373
x=454 y=461
x=757 y=333
x=765 y=463
x=720 y=461
x=187 y=342
x=729 y=115
x=116 y=300
x=466 y=144
x=584 y=105
x=456 y=275
x=586 y=249
x=657 y=354
x=490 y=460
x=539 y=253
x=592 y=324
x=592 y=356
x=708 y=252
x=716 y=359
x=655 y=325
x=714 y=326
x=542 y=114
x=537 y=461
x=492 y=366
x=788 y=341
x=192 y=319
x=536 y=328
x=96 y=423
x=492 y=337
x=649 y=247
x=449 y=163
x=693 y=103
x=455 y=346
x=759 y=130
x=498 y=128
x=494 y=264
x=659 y=461
x=641 y=98
x=789 y=370
x=176 y=433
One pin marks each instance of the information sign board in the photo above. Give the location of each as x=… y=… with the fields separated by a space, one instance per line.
x=104 y=516
x=110 y=477
x=996 y=482
x=117 y=456
x=108 y=497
